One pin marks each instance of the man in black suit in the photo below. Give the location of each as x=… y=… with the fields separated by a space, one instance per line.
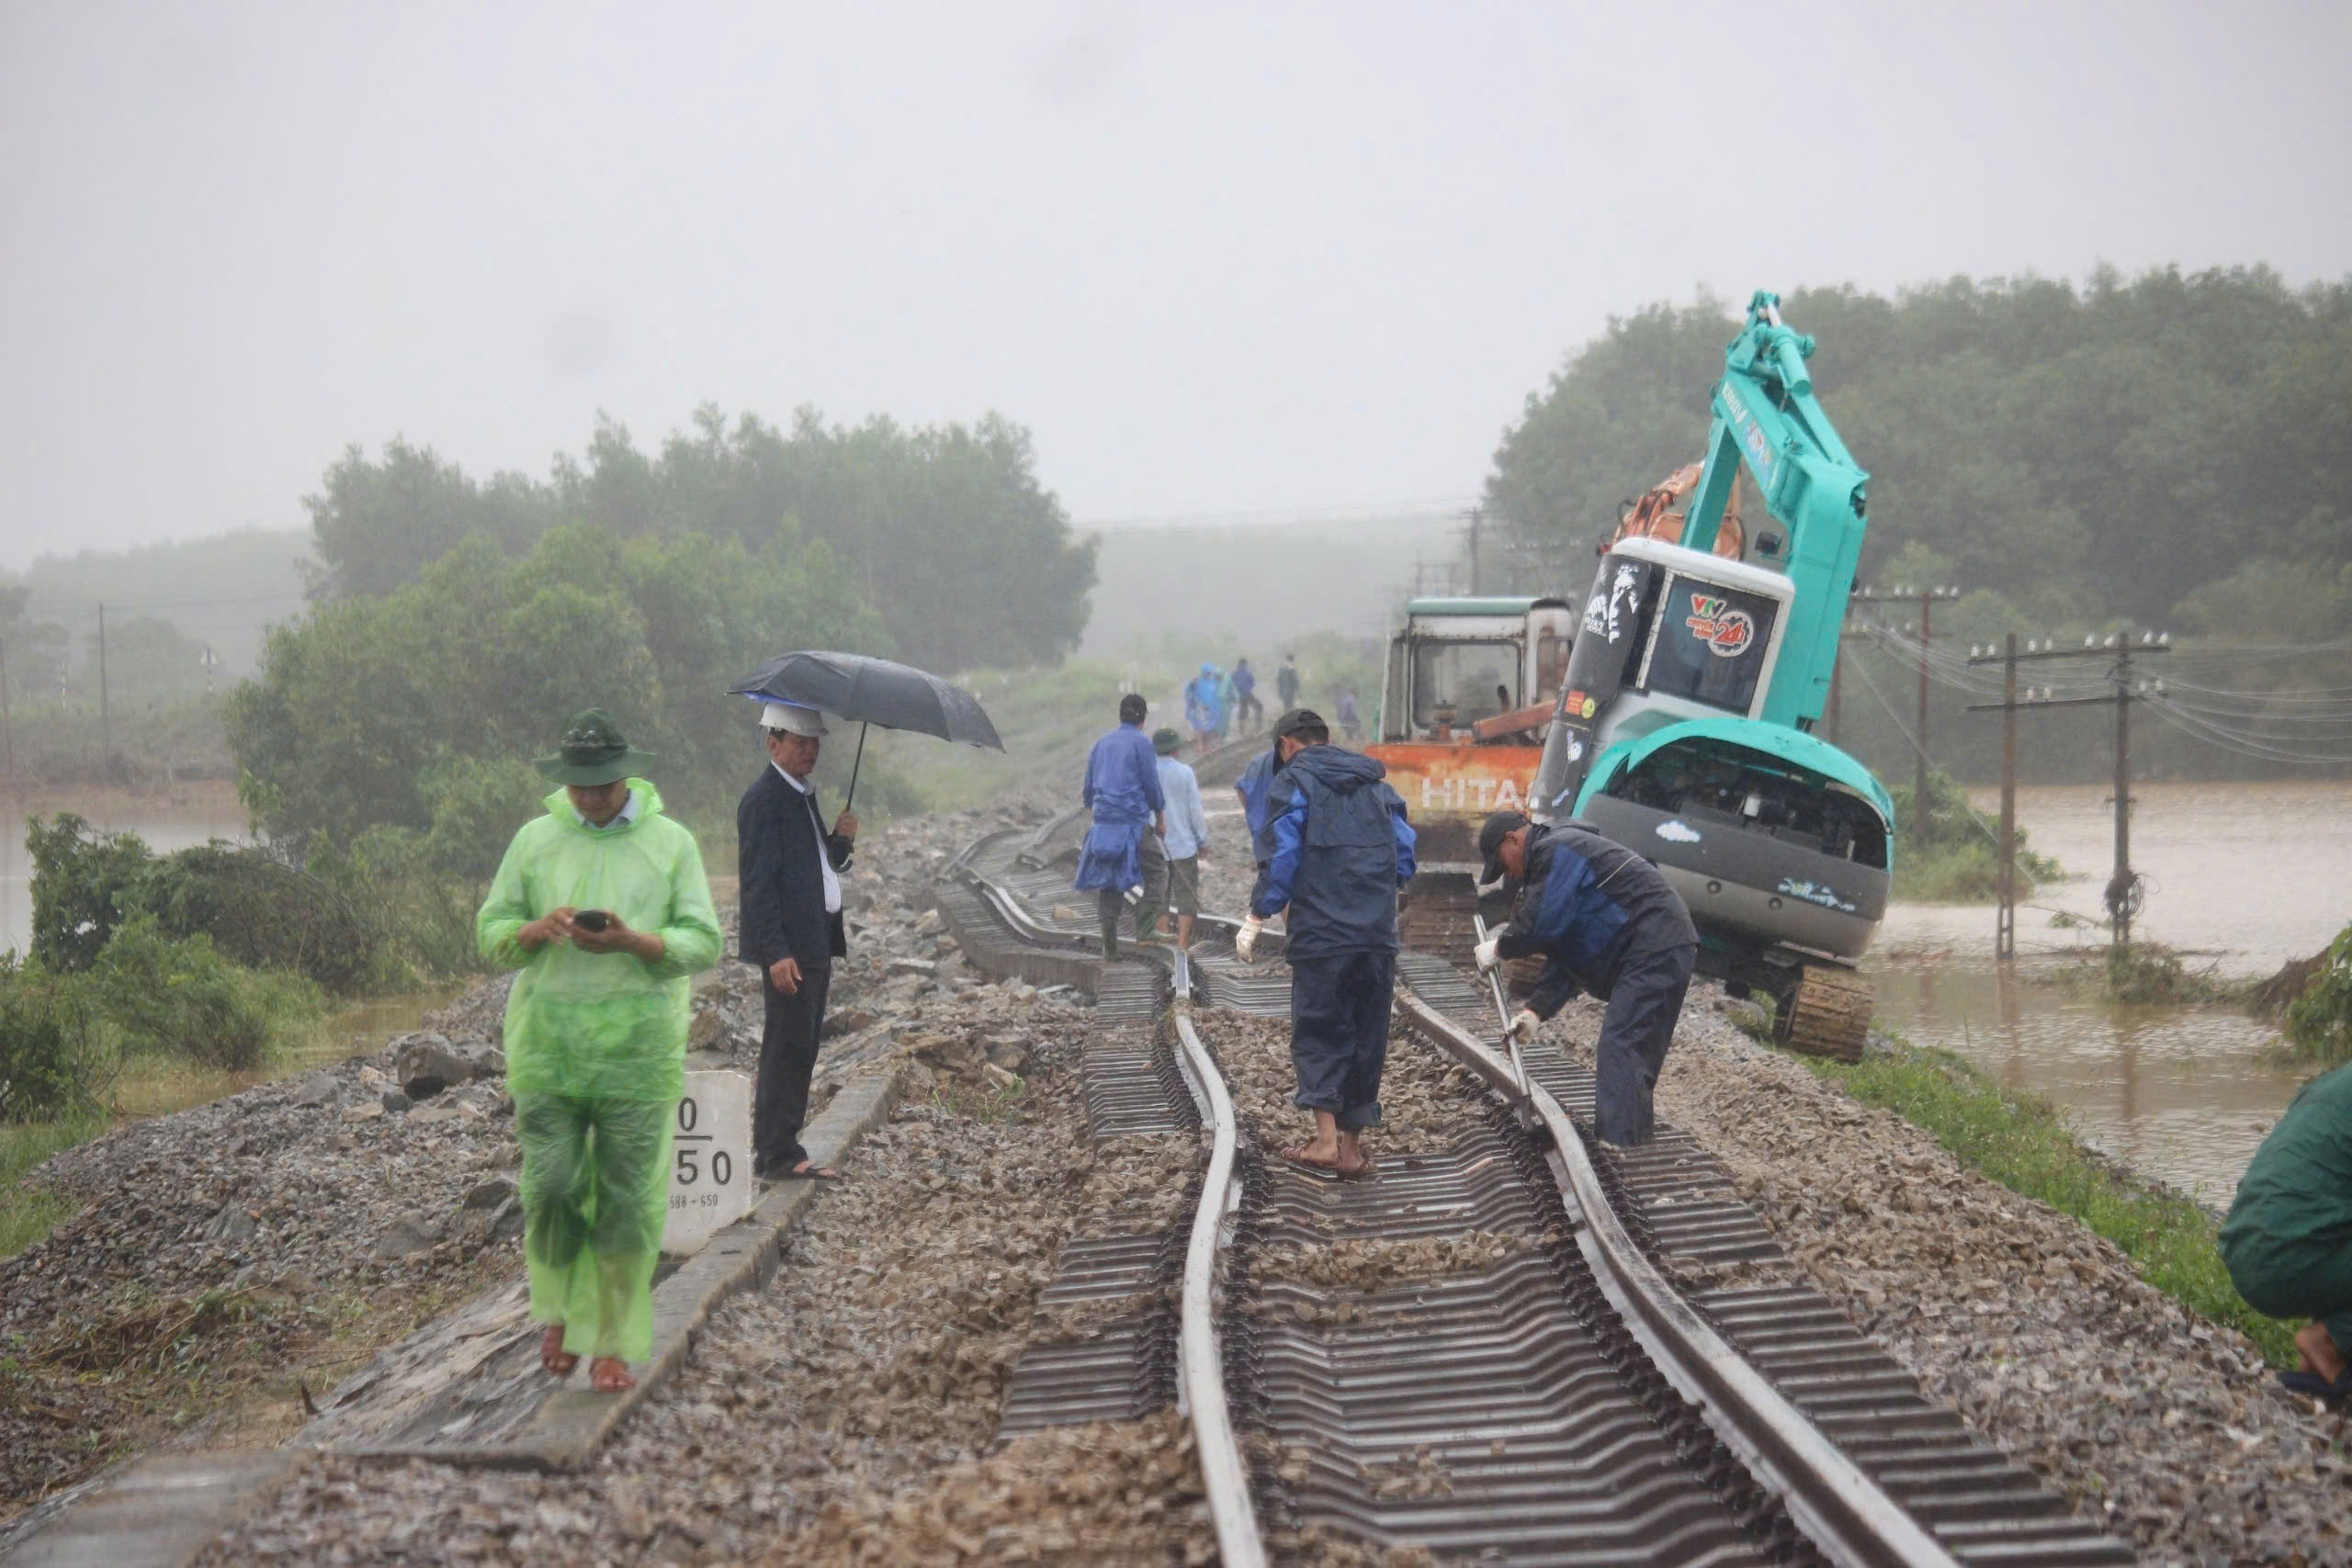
x=791 y=899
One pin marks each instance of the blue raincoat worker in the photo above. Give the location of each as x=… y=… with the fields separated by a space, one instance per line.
x=1122 y=853
x=602 y=905
x=1341 y=848
x=1203 y=715
x=1606 y=920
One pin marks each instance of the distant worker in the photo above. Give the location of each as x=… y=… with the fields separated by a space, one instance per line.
x=1287 y=683
x=1121 y=856
x=1249 y=713
x=1225 y=698
x=1341 y=849
x=789 y=892
x=1202 y=714
x=1607 y=920
x=603 y=905
x=2287 y=1242
x=1184 y=844
x=1350 y=725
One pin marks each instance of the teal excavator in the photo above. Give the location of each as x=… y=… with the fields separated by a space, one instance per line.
x=1684 y=727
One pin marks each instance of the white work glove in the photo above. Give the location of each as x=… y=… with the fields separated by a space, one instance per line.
x=1487 y=954
x=1245 y=941
x=1524 y=1025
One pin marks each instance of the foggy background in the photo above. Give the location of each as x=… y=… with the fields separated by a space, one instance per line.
x=1227 y=263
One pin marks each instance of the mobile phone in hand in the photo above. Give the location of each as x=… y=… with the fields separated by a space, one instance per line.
x=592 y=920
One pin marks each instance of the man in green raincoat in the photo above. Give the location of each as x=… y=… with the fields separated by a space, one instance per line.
x=604 y=906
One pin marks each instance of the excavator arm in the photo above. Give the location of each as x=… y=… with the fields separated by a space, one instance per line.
x=1766 y=415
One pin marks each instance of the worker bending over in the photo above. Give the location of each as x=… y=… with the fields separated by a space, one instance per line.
x=2287 y=1242
x=1604 y=920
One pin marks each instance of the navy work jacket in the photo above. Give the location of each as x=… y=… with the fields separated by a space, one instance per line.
x=1590 y=902
x=1341 y=849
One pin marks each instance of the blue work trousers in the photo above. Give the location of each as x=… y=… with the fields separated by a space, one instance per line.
x=1644 y=1001
x=1338 y=1034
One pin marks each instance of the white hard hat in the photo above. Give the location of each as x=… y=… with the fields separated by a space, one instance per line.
x=792 y=718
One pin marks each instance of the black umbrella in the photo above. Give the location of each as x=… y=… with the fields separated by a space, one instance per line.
x=869 y=691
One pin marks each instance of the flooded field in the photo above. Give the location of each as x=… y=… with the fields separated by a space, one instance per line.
x=2243 y=876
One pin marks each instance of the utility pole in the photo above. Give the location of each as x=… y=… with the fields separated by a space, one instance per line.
x=1924 y=598
x=7 y=734
x=2123 y=886
x=106 y=724
x=1471 y=520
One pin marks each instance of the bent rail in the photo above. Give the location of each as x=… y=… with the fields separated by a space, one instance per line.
x=1201 y=1352
x=1843 y=1511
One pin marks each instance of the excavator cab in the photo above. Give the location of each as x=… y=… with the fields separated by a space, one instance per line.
x=1470 y=685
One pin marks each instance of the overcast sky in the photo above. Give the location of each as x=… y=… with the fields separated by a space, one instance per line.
x=1219 y=259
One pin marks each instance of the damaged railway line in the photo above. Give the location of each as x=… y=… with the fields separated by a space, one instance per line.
x=1615 y=1363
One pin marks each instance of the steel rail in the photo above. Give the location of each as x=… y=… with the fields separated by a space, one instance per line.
x=1200 y=1346
x=1843 y=1511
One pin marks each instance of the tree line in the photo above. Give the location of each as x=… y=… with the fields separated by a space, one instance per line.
x=944 y=531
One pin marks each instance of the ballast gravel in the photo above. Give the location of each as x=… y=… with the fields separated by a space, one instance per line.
x=2167 y=1429
x=846 y=1414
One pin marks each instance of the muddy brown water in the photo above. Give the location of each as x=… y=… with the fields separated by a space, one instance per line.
x=2243 y=878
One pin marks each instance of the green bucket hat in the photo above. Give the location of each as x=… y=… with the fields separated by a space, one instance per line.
x=593 y=751
x=1166 y=742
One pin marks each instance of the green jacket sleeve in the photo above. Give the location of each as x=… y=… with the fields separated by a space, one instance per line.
x=690 y=938
x=506 y=912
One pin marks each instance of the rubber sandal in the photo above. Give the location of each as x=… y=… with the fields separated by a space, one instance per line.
x=1315 y=1168
x=2316 y=1386
x=813 y=1173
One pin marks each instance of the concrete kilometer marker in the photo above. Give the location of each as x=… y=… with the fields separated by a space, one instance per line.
x=710 y=1160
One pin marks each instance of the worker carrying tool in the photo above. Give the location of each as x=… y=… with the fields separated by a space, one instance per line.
x=1606 y=922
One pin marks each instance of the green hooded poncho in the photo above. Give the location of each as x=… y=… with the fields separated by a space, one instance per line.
x=596 y=1058
x=601 y=1026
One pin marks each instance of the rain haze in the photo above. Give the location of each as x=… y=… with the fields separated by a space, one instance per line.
x=1224 y=262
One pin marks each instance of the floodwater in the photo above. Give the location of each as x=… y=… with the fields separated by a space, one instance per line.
x=176 y=817
x=2243 y=878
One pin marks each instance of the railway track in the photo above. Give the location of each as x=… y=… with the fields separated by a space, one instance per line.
x=1637 y=1375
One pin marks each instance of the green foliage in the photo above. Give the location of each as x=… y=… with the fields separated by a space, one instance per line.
x=260 y=912
x=77 y=874
x=360 y=711
x=945 y=530
x=29 y=1210
x=2023 y=1142
x=180 y=996
x=1950 y=852
x=52 y=1064
x=2319 y=1023
x=2149 y=974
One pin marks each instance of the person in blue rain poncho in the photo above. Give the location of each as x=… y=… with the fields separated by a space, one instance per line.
x=1202 y=713
x=1122 y=851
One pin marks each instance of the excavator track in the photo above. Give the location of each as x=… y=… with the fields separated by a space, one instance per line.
x=1827 y=1014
